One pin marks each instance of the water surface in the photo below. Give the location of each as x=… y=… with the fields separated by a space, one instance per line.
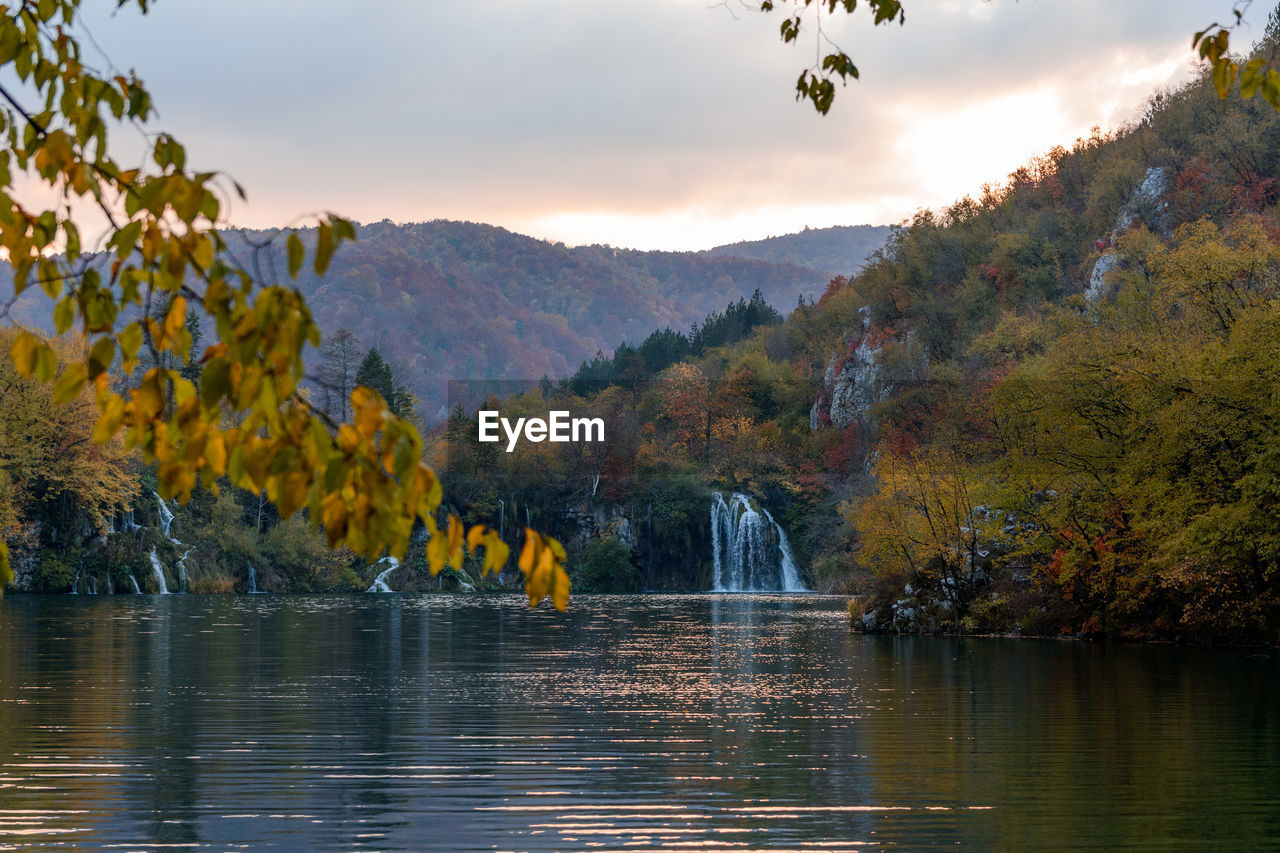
x=679 y=722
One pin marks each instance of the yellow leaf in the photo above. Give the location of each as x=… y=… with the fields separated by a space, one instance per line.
x=455 y=542
x=437 y=553
x=528 y=552
x=109 y=421
x=496 y=553
x=46 y=363
x=216 y=452
x=475 y=536
x=70 y=383
x=368 y=411
x=23 y=353
x=559 y=587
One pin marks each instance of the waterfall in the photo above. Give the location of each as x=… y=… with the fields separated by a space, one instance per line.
x=166 y=524
x=159 y=570
x=136 y=589
x=749 y=550
x=182 y=570
x=166 y=518
x=790 y=572
x=253 y=580
x=380 y=582
x=75 y=582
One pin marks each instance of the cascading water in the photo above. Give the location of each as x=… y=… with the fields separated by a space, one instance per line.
x=182 y=570
x=159 y=572
x=790 y=572
x=253 y=581
x=749 y=551
x=380 y=582
x=166 y=519
x=136 y=589
x=180 y=567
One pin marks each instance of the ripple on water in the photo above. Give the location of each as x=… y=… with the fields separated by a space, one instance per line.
x=740 y=722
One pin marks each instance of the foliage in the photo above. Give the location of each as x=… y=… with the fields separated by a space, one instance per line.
x=839 y=249
x=606 y=567
x=816 y=83
x=54 y=479
x=1029 y=457
x=247 y=418
x=375 y=373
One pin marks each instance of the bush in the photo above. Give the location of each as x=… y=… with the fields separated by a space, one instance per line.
x=54 y=573
x=606 y=567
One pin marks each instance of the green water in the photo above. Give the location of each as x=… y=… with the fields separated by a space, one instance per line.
x=679 y=722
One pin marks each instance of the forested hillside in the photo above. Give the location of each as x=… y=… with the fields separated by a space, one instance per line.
x=840 y=250
x=1049 y=408
x=456 y=300
x=461 y=301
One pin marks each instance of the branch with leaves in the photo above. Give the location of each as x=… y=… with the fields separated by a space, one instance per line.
x=247 y=418
x=816 y=83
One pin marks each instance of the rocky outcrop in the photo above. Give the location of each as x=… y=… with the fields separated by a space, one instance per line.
x=859 y=377
x=1146 y=204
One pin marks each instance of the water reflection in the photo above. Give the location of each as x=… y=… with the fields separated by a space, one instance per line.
x=685 y=722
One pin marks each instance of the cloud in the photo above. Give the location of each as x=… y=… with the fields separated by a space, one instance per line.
x=634 y=122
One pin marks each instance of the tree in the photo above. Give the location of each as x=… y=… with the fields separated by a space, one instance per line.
x=247 y=418
x=375 y=373
x=53 y=477
x=336 y=373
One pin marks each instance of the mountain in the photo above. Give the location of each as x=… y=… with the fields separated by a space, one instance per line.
x=841 y=250
x=463 y=301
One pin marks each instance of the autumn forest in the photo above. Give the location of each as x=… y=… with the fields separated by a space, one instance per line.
x=1047 y=409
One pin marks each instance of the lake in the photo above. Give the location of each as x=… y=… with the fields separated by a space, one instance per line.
x=701 y=722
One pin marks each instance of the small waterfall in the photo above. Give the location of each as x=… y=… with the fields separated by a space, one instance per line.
x=253 y=580
x=166 y=518
x=136 y=589
x=92 y=583
x=75 y=582
x=790 y=572
x=182 y=570
x=380 y=582
x=159 y=571
x=180 y=567
x=749 y=550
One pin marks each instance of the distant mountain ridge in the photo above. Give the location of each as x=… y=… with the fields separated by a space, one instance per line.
x=452 y=300
x=839 y=250
x=461 y=300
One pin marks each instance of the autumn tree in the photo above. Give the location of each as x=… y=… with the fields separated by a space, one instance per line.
x=54 y=478
x=925 y=522
x=247 y=417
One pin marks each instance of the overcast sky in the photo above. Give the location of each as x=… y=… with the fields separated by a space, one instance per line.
x=643 y=123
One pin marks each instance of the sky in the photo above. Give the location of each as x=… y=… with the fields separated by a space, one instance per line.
x=655 y=124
